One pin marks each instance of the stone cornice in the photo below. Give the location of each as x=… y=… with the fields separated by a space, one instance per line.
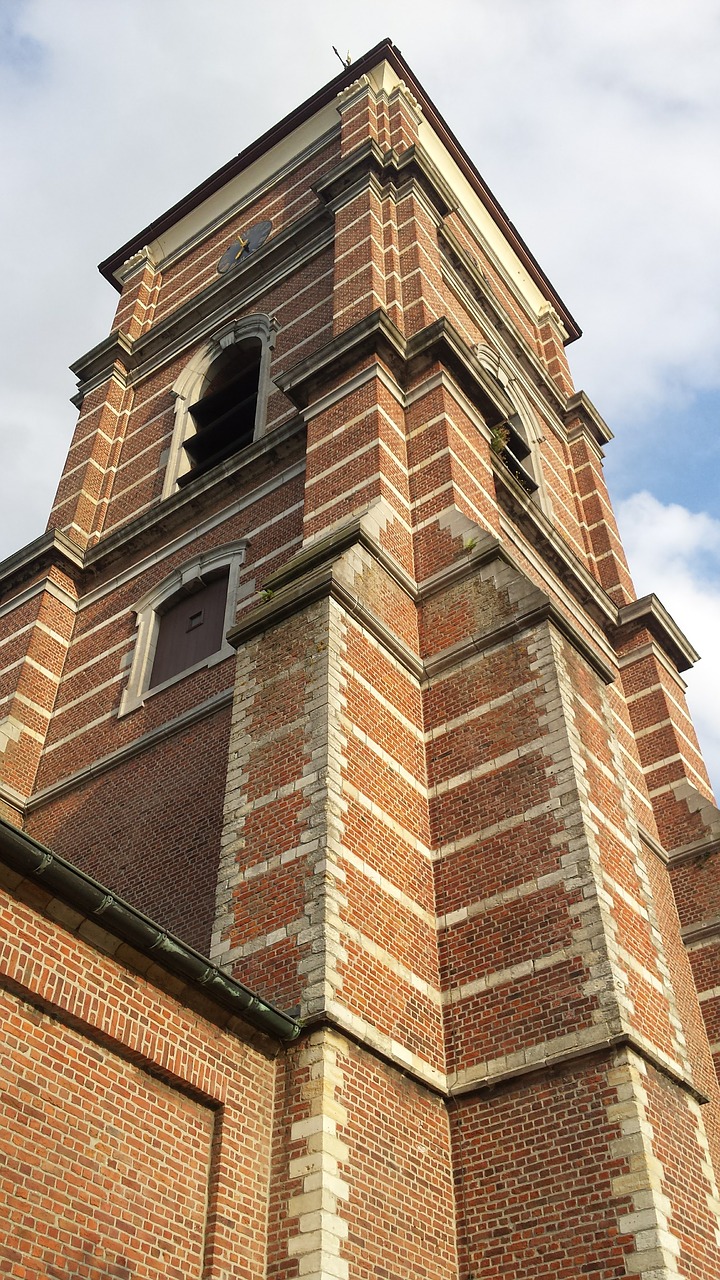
x=331 y=546
x=648 y=612
x=313 y=574
x=580 y=407
x=384 y=51
x=317 y=583
x=136 y=263
x=551 y=1061
x=704 y=932
x=553 y=548
x=50 y=549
x=442 y=341
x=164 y=518
x=623 y=1040
x=145 y=742
x=477 y=294
x=376 y=335
x=651 y=650
x=653 y=844
x=391 y=169
x=697 y=851
x=97 y=365
x=173 y=512
x=545 y=611
x=222 y=299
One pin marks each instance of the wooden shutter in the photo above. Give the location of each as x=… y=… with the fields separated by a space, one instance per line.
x=190 y=630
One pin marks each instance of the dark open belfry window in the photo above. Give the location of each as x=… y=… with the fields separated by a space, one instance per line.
x=190 y=630
x=224 y=416
x=516 y=454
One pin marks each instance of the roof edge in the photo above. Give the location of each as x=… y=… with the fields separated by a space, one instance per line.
x=244 y=158
x=384 y=50
x=37 y=864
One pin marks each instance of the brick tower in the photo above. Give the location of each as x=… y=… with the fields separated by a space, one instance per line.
x=330 y=662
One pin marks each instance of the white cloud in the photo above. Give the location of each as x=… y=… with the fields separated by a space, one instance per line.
x=676 y=553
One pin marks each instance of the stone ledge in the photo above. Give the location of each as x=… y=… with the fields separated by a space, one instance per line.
x=650 y=613
x=312 y=574
x=376 y=335
x=143 y=743
x=316 y=584
x=444 y=1089
x=624 y=1040
x=704 y=931
x=580 y=407
x=51 y=548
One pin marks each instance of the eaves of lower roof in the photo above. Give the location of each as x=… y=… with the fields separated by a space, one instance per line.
x=92 y=902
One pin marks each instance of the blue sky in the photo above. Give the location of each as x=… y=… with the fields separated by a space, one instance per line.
x=681 y=462
x=596 y=126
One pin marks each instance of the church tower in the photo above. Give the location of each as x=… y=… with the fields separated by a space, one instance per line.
x=330 y=663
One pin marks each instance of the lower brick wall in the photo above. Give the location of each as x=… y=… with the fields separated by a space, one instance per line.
x=599 y=1168
x=362 y=1185
x=534 y=1179
x=400 y=1207
x=140 y=1140
x=134 y=1134
x=105 y=1168
x=680 y=1143
x=150 y=827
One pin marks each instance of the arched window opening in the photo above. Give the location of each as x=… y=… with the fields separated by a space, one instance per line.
x=182 y=623
x=224 y=416
x=220 y=399
x=516 y=440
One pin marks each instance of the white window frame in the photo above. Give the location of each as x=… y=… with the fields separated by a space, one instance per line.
x=188 y=387
x=181 y=582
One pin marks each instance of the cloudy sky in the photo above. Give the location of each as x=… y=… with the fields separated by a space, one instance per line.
x=595 y=124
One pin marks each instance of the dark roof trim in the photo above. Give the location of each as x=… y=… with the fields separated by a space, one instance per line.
x=95 y=903
x=384 y=50
x=245 y=158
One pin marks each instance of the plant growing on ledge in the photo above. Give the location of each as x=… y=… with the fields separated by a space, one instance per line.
x=512 y=450
x=500 y=438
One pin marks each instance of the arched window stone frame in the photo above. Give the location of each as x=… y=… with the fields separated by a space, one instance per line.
x=188 y=387
x=185 y=580
x=524 y=420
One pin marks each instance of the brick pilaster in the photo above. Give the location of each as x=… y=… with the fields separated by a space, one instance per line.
x=31 y=663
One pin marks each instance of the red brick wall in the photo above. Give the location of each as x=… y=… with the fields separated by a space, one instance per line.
x=439 y=816
x=384 y=1156
x=149 y=828
x=534 y=1181
x=135 y=1135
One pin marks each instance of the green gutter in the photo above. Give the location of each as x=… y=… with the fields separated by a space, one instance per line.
x=95 y=903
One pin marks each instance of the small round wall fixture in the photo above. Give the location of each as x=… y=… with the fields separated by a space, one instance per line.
x=245 y=243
